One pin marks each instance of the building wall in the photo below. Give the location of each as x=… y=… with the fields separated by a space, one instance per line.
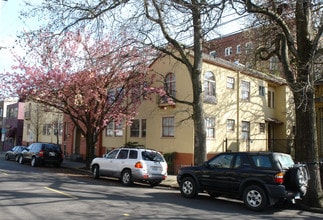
x=13 y=125
x=228 y=106
x=42 y=124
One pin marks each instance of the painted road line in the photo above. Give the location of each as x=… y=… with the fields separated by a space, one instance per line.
x=3 y=172
x=60 y=192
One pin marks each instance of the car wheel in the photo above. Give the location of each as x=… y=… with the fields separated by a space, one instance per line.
x=96 y=172
x=188 y=187
x=154 y=183
x=21 y=159
x=297 y=179
x=254 y=197
x=6 y=157
x=126 y=178
x=33 y=161
x=57 y=165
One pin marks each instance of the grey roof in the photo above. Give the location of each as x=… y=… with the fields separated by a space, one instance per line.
x=243 y=69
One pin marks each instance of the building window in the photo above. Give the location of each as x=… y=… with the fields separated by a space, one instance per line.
x=134 y=128
x=114 y=129
x=209 y=88
x=228 y=51
x=118 y=129
x=245 y=90
x=110 y=129
x=271 y=99
x=245 y=130
x=46 y=129
x=230 y=82
x=111 y=96
x=28 y=129
x=12 y=112
x=143 y=128
x=210 y=127
x=249 y=48
x=238 y=49
x=138 y=128
x=273 y=63
x=230 y=125
x=170 y=88
x=213 y=53
x=65 y=131
x=262 y=127
x=168 y=127
x=261 y=90
x=58 y=128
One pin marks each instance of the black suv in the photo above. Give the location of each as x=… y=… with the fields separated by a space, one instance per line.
x=42 y=153
x=260 y=179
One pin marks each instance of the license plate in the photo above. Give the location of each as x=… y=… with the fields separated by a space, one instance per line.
x=52 y=154
x=155 y=169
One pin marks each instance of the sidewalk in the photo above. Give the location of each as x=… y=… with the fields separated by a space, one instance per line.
x=169 y=182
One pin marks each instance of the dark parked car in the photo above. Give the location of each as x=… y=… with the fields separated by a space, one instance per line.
x=41 y=154
x=14 y=153
x=260 y=179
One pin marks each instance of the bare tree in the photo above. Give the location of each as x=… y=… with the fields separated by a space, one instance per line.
x=295 y=31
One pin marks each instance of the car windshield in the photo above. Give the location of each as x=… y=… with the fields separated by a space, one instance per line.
x=152 y=156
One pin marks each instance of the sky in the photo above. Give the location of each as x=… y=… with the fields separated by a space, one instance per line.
x=11 y=25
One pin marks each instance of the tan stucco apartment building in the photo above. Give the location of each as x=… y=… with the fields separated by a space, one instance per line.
x=245 y=110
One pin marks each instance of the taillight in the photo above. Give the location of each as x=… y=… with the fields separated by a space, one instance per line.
x=279 y=178
x=139 y=165
x=41 y=153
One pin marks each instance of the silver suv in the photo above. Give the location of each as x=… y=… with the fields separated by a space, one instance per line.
x=130 y=165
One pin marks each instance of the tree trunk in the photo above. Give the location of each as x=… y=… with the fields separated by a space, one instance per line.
x=90 y=146
x=198 y=118
x=306 y=149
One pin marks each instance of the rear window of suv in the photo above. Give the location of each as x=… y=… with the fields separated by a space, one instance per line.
x=284 y=160
x=152 y=156
x=262 y=161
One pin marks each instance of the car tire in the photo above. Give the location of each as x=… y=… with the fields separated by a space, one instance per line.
x=154 y=183
x=297 y=179
x=96 y=172
x=126 y=178
x=188 y=187
x=33 y=162
x=57 y=165
x=255 y=198
x=21 y=159
x=6 y=157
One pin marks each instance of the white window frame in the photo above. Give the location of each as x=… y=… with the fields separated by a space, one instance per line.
x=230 y=82
x=227 y=51
x=230 y=125
x=168 y=126
x=210 y=127
x=245 y=90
